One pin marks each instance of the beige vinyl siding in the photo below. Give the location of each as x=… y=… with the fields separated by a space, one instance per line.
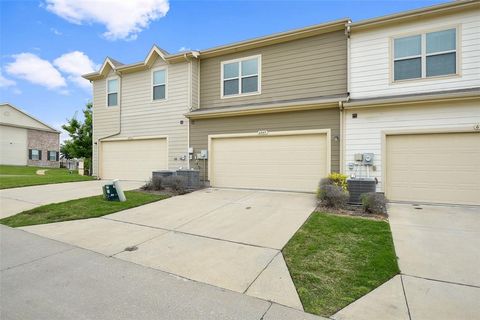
x=371 y=57
x=142 y=117
x=439 y=167
x=13 y=146
x=304 y=68
x=364 y=134
x=106 y=120
x=285 y=121
x=195 y=84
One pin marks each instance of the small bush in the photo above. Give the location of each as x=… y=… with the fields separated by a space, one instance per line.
x=338 y=179
x=177 y=184
x=331 y=195
x=373 y=202
x=155 y=184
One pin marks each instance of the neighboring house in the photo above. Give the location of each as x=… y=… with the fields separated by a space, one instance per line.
x=25 y=140
x=138 y=114
x=269 y=114
x=414 y=82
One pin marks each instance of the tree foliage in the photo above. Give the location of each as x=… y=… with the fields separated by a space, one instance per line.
x=80 y=143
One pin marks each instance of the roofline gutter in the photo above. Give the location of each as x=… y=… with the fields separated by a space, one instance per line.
x=282 y=107
x=427 y=98
x=412 y=14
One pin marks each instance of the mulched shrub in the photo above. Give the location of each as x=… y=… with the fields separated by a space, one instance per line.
x=374 y=203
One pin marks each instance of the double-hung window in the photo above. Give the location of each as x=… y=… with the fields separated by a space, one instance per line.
x=159 y=83
x=52 y=156
x=425 y=55
x=112 y=92
x=241 y=76
x=35 y=154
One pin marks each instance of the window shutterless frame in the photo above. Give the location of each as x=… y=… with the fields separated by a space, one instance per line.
x=424 y=55
x=117 y=92
x=239 y=77
x=153 y=85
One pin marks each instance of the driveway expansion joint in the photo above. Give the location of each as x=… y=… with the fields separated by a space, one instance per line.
x=405 y=296
x=191 y=234
x=442 y=281
x=261 y=271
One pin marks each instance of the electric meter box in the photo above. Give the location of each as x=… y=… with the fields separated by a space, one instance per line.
x=368 y=159
x=110 y=192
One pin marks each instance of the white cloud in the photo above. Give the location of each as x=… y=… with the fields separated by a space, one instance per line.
x=183 y=49
x=74 y=64
x=56 y=32
x=5 y=83
x=123 y=19
x=32 y=68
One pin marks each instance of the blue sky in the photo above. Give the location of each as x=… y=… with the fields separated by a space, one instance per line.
x=61 y=39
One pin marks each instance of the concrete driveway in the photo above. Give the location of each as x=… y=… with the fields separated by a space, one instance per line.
x=227 y=238
x=15 y=200
x=438 y=249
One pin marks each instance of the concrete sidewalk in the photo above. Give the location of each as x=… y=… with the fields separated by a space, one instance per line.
x=46 y=279
x=15 y=200
x=439 y=259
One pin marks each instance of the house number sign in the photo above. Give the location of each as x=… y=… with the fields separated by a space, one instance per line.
x=262 y=132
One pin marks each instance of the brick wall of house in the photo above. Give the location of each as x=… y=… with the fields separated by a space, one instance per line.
x=45 y=141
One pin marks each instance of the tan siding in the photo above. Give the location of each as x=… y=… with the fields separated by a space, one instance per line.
x=287 y=121
x=310 y=67
x=143 y=117
x=195 y=84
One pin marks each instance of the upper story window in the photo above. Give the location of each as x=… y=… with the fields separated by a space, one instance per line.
x=112 y=92
x=159 y=83
x=241 y=76
x=425 y=55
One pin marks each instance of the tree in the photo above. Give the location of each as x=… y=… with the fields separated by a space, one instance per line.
x=80 y=143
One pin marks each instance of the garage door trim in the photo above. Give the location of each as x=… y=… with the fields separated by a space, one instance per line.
x=414 y=131
x=327 y=132
x=100 y=147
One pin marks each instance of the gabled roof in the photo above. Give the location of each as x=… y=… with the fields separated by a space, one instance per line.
x=155 y=52
x=422 y=13
x=275 y=38
x=49 y=128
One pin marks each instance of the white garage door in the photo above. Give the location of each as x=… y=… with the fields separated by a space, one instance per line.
x=439 y=168
x=133 y=159
x=13 y=146
x=293 y=162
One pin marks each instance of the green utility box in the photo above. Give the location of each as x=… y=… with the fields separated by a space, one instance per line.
x=110 y=192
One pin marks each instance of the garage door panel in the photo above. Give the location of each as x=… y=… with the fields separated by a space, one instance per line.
x=13 y=146
x=284 y=162
x=133 y=159
x=442 y=168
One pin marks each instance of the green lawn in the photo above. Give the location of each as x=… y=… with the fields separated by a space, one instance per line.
x=334 y=260
x=84 y=208
x=19 y=176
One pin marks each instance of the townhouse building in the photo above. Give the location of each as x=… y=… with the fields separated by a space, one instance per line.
x=269 y=113
x=414 y=83
x=138 y=114
x=282 y=111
